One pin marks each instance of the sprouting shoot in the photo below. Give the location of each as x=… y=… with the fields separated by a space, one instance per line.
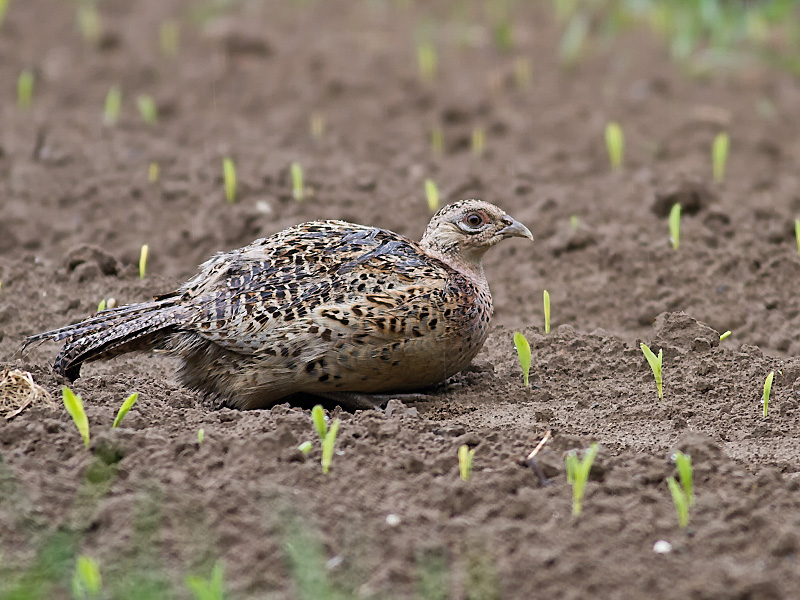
x=578 y=475
x=524 y=354
x=655 y=363
x=615 y=144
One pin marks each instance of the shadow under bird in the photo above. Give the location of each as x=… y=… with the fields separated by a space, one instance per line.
x=325 y=308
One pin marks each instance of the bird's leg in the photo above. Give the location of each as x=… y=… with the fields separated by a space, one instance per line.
x=360 y=401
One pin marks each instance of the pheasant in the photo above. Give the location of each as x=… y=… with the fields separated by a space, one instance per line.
x=325 y=308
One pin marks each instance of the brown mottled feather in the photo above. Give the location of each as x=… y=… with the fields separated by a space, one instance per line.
x=322 y=307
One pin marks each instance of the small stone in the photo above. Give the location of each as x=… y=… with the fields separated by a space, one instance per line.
x=392 y=520
x=662 y=547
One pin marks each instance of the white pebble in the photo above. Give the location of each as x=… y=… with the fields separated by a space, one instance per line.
x=662 y=547
x=392 y=520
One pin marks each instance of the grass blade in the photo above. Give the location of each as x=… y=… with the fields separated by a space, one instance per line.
x=126 y=406
x=74 y=404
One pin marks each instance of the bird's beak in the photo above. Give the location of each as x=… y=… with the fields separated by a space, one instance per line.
x=514 y=228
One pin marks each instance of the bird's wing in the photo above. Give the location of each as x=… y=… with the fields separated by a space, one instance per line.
x=325 y=279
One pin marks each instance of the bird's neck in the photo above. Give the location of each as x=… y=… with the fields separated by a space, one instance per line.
x=471 y=265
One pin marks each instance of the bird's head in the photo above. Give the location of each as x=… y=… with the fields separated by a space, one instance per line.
x=465 y=230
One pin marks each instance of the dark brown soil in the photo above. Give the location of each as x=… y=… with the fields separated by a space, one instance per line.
x=245 y=83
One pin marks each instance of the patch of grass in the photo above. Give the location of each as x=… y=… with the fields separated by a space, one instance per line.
x=797 y=234
x=307 y=564
x=725 y=336
x=432 y=574
x=210 y=588
x=683 y=462
x=482 y=581
x=87 y=583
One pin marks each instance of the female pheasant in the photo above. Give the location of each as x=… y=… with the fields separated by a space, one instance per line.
x=326 y=308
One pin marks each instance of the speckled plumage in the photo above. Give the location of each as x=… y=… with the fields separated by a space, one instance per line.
x=322 y=307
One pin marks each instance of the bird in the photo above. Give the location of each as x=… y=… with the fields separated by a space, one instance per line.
x=325 y=308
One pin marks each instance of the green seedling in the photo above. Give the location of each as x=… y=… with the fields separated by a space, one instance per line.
x=437 y=141
x=89 y=23
x=574 y=222
x=327 y=446
x=426 y=61
x=767 y=390
x=25 y=89
x=318 y=418
x=797 y=234
x=212 y=588
x=147 y=109
x=143 y=260
x=725 y=335
x=546 y=302
x=74 y=405
x=317 y=125
x=478 y=141
x=524 y=355
x=86 y=580
x=432 y=195
x=3 y=10
x=675 y=226
x=465 y=456
x=101 y=305
x=112 y=105
x=153 y=172
x=229 y=175
x=169 y=38
x=201 y=435
x=683 y=462
x=578 y=475
x=680 y=500
x=305 y=447
x=126 y=406
x=298 y=188
x=615 y=144
x=719 y=156
x=655 y=363
x=504 y=35
x=572 y=42
x=522 y=72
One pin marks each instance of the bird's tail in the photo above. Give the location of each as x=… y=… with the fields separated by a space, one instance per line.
x=112 y=332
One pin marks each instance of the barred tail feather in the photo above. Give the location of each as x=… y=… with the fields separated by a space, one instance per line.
x=111 y=333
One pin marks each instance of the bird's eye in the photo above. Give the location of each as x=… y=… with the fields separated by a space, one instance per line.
x=473 y=220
